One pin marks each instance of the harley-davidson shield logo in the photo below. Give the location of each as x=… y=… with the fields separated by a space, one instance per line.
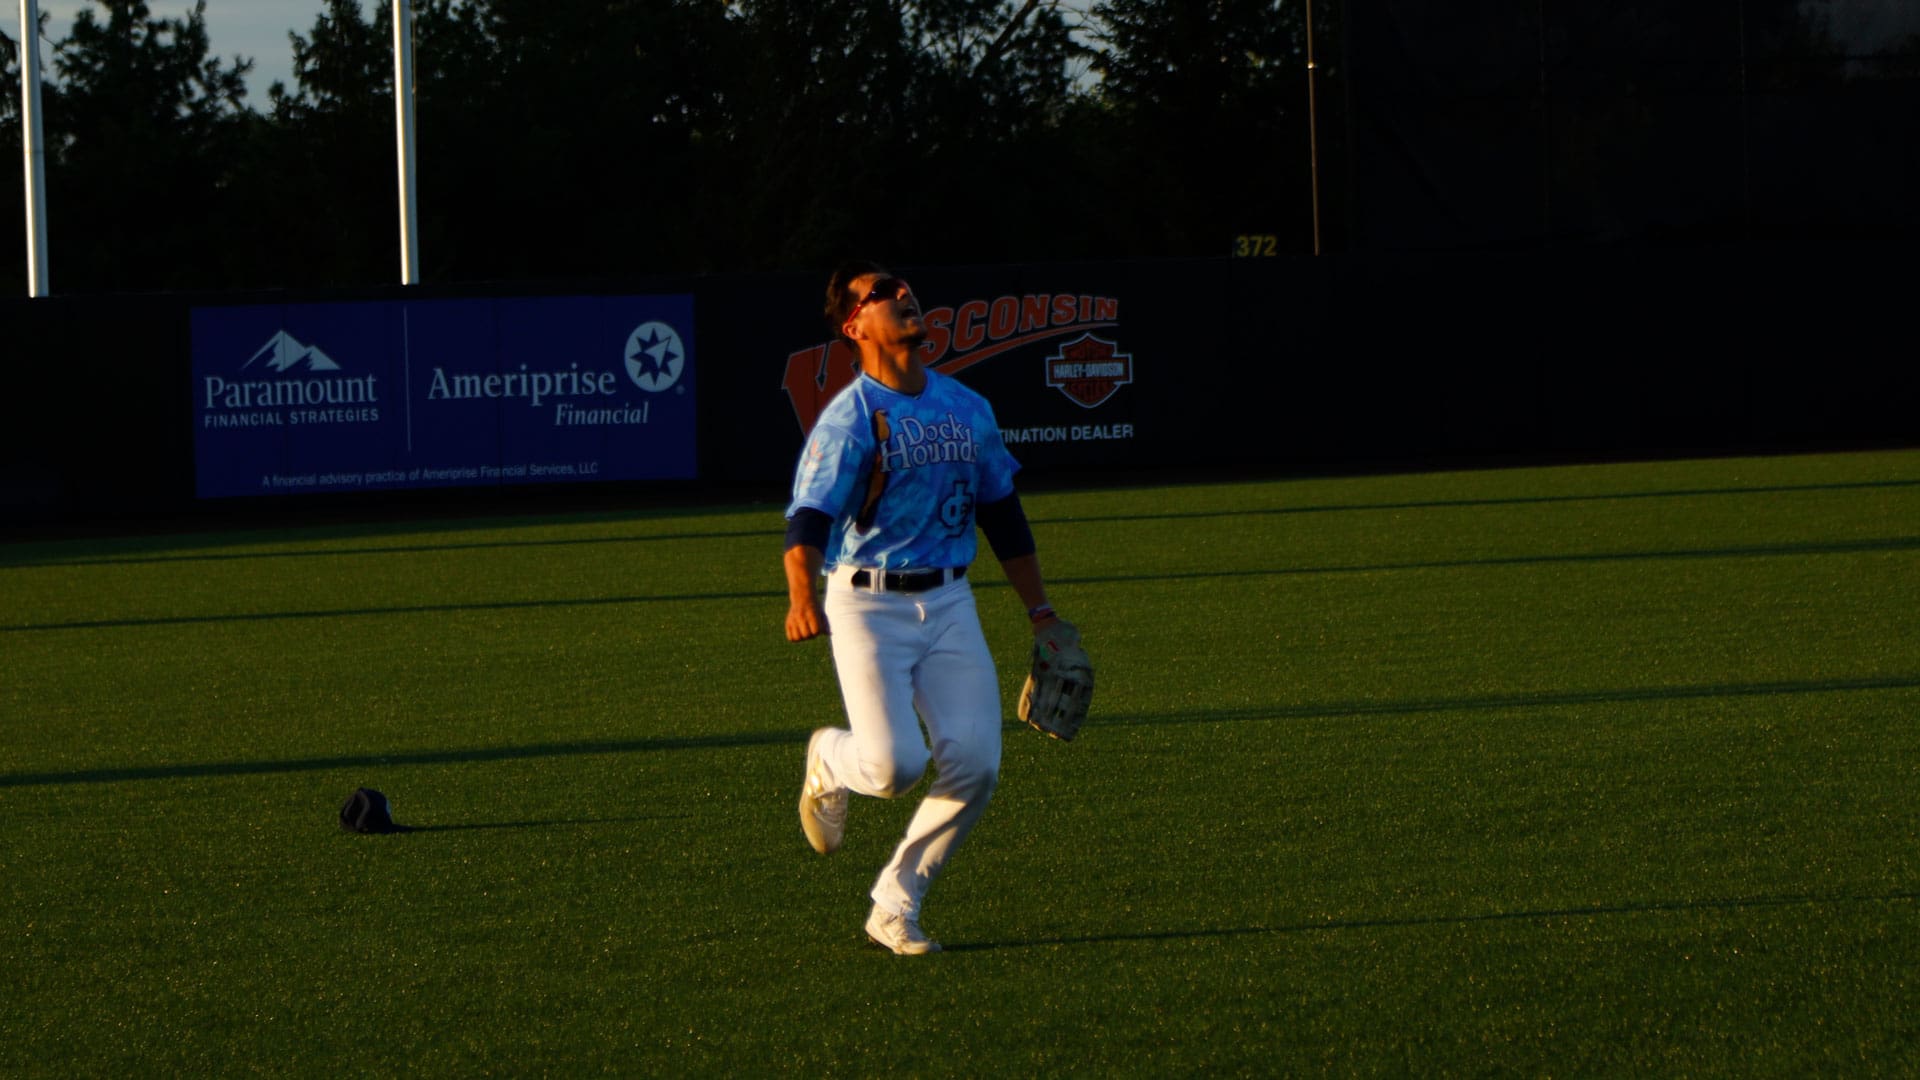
x=1089 y=369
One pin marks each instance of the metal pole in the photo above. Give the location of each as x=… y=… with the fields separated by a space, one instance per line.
x=1746 y=137
x=34 y=148
x=403 y=123
x=1313 y=133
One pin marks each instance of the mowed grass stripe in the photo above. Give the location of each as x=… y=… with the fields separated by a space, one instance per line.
x=39 y=556
x=1754 y=551
x=1318 y=711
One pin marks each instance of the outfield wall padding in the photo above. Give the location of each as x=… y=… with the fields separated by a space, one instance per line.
x=1112 y=369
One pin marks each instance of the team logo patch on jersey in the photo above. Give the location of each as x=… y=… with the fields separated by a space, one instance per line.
x=917 y=444
x=1089 y=369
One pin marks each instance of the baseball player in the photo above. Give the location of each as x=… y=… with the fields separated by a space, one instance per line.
x=898 y=469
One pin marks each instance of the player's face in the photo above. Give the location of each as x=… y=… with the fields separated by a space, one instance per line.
x=887 y=310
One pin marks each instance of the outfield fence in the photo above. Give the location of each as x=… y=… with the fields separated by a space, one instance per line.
x=665 y=387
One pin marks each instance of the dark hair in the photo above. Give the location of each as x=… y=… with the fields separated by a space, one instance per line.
x=840 y=300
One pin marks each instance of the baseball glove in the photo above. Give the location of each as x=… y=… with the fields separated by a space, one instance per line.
x=1059 y=687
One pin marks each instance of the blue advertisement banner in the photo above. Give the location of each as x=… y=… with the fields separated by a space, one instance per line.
x=294 y=398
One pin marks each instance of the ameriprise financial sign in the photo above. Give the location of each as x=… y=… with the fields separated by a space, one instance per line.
x=292 y=398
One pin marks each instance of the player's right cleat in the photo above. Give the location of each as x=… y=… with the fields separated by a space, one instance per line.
x=900 y=933
x=823 y=801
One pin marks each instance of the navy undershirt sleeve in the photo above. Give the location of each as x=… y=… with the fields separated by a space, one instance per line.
x=1005 y=524
x=810 y=528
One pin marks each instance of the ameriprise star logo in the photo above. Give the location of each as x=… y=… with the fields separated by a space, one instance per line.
x=655 y=356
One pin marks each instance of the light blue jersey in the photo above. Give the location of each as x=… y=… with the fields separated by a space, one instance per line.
x=942 y=457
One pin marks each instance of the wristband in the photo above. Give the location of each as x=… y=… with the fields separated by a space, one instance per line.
x=1041 y=613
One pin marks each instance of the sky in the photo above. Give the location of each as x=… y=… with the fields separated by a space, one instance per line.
x=259 y=28
x=250 y=28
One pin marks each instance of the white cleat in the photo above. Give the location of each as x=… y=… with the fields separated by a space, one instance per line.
x=823 y=801
x=899 y=933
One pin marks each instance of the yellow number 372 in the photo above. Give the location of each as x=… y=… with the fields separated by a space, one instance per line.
x=1255 y=246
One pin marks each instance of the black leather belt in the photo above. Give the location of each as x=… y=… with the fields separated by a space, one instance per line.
x=909 y=580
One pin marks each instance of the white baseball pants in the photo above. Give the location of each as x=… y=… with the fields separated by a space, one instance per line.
x=898 y=655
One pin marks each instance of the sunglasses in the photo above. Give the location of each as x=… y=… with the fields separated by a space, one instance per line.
x=886 y=288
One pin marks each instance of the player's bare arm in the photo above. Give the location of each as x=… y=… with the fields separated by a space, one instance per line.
x=1005 y=523
x=805 y=619
x=1023 y=573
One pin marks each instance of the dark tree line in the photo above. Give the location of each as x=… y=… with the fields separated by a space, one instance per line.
x=591 y=139
x=597 y=139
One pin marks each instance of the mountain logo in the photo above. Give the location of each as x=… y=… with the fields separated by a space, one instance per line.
x=284 y=353
x=286 y=381
x=655 y=356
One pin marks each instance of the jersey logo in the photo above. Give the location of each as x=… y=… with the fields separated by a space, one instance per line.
x=956 y=513
x=916 y=444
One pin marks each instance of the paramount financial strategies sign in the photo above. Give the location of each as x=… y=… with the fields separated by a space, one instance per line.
x=291 y=398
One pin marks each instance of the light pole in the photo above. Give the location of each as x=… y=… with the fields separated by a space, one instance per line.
x=1313 y=134
x=33 y=147
x=403 y=125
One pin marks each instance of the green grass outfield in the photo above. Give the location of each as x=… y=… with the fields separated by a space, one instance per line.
x=1599 y=770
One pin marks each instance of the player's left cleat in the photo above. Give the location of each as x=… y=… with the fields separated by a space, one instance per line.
x=823 y=801
x=900 y=933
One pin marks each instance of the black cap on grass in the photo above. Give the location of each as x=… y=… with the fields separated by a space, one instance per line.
x=367 y=811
